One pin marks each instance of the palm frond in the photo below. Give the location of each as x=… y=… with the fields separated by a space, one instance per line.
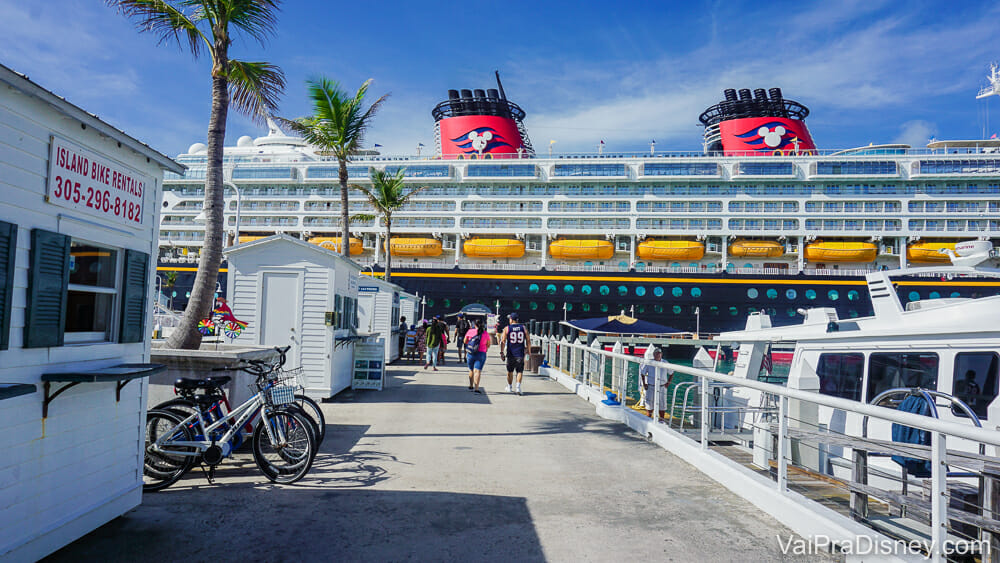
x=256 y=18
x=339 y=119
x=254 y=88
x=168 y=22
x=361 y=217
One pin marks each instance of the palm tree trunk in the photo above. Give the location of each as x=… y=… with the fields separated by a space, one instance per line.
x=388 y=247
x=345 y=231
x=186 y=335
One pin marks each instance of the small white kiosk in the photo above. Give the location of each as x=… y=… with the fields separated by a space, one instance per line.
x=379 y=309
x=297 y=294
x=79 y=218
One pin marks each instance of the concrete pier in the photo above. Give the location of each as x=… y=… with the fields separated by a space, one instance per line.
x=426 y=470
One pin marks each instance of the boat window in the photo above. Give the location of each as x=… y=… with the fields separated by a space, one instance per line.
x=713 y=310
x=568 y=289
x=752 y=293
x=640 y=291
x=569 y=306
x=446 y=303
x=975 y=381
x=622 y=290
x=772 y=294
x=586 y=290
x=791 y=294
x=550 y=289
x=934 y=295
x=604 y=307
x=833 y=294
x=853 y=313
x=533 y=288
x=695 y=292
x=914 y=296
x=533 y=306
x=658 y=308
x=550 y=306
x=853 y=295
x=515 y=304
x=790 y=311
x=840 y=375
x=895 y=370
x=658 y=291
x=677 y=292
x=955 y=294
x=677 y=309
x=585 y=307
x=605 y=290
x=733 y=311
x=430 y=302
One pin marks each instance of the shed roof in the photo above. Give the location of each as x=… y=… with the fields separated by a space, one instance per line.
x=286 y=239
x=22 y=83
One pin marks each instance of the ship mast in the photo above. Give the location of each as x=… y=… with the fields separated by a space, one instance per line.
x=991 y=89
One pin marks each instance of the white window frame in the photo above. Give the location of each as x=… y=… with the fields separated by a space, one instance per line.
x=110 y=335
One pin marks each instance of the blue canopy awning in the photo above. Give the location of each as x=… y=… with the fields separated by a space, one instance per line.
x=620 y=324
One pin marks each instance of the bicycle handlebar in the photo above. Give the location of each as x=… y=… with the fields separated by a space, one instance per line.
x=259 y=368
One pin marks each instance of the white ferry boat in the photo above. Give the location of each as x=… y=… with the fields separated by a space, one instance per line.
x=760 y=219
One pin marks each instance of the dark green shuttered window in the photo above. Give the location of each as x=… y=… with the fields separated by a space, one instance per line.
x=133 y=304
x=8 y=243
x=48 y=278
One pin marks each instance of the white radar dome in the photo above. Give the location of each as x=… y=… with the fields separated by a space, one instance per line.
x=245 y=141
x=197 y=148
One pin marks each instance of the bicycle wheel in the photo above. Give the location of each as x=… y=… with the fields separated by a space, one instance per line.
x=311 y=408
x=161 y=469
x=284 y=445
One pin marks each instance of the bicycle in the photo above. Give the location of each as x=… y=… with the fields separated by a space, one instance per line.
x=189 y=400
x=283 y=440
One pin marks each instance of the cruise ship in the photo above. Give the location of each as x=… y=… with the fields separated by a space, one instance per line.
x=759 y=220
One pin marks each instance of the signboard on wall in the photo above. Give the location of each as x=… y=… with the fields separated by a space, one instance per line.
x=369 y=364
x=84 y=181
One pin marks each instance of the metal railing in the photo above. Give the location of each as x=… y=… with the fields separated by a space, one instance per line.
x=709 y=419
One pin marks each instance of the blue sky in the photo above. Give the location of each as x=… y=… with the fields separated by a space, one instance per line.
x=625 y=72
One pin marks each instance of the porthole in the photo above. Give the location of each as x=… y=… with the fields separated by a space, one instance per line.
x=516 y=305
x=934 y=295
x=640 y=267
x=833 y=294
x=585 y=306
x=604 y=307
x=658 y=308
x=623 y=266
x=752 y=293
x=622 y=290
x=533 y=288
x=695 y=292
x=693 y=265
x=791 y=295
x=953 y=294
x=446 y=303
x=790 y=311
x=748 y=265
x=733 y=311
x=642 y=309
x=430 y=302
x=713 y=310
x=914 y=296
x=640 y=291
x=772 y=293
x=853 y=295
x=658 y=291
x=533 y=306
x=586 y=289
x=605 y=290
x=810 y=294
x=677 y=292
x=853 y=314
x=677 y=309
x=497 y=287
x=569 y=306
x=550 y=289
x=550 y=306
x=568 y=289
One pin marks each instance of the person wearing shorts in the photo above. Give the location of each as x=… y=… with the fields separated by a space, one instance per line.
x=479 y=340
x=462 y=326
x=515 y=341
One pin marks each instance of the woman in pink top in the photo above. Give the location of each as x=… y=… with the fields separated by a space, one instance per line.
x=476 y=342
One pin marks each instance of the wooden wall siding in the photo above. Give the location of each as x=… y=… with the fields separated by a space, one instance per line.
x=81 y=467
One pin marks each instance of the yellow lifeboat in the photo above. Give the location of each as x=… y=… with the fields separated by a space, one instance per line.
x=333 y=243
x=580 y=249
x=841 y=251
x=745 y=248
x=416 y=247
x=671 y=250
x=927 y=252
x=249 y=238
x=493 y=248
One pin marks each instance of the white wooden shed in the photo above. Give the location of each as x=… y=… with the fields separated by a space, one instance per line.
x=78 y=233
x=298 y=294
x=379 y=310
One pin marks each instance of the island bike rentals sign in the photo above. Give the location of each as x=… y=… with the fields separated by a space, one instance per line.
x=82 y=180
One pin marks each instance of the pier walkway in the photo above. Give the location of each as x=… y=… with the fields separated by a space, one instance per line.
x=428 y=471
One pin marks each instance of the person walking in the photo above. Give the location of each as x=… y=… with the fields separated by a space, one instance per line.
x=411 y=343
x=421 y=340
x=444 y=341
x=401 y=334
x=462 y=326
x=652 y=376
x=476 y=342
x=514 y=341
x=433 y=340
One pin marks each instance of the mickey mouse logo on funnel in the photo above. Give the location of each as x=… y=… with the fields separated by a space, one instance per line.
x=480 y=124
x=481 y=140
x=761 y=122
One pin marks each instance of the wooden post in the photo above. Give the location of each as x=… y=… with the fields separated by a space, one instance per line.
x=859 y=474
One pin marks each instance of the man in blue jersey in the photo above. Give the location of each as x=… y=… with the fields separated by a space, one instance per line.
x=515 y=341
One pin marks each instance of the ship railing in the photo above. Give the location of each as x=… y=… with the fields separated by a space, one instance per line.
x=952 y=508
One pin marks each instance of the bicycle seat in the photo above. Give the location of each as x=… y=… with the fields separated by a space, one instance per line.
x=202 y=383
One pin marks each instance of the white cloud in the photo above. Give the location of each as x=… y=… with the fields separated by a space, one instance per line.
x=916 y=133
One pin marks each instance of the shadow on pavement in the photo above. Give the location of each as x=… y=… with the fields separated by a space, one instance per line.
x=292 y=524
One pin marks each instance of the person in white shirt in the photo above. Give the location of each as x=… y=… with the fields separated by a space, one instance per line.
x=652 y=375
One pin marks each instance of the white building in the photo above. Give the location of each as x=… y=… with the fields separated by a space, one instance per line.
x=78 y=227
x=297 y=294
x=380 y=306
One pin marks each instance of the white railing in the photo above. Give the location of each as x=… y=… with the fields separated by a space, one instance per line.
x=587 y=365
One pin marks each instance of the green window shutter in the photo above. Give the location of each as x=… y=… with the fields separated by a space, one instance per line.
x=8 y=243
x=48 y=278
x=133 y=320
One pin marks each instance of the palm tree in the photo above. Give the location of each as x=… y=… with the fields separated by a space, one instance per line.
x=387 y=195
x=338 y=125
x=252 y=88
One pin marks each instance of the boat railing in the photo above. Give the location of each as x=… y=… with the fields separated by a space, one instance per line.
x=780 y=425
